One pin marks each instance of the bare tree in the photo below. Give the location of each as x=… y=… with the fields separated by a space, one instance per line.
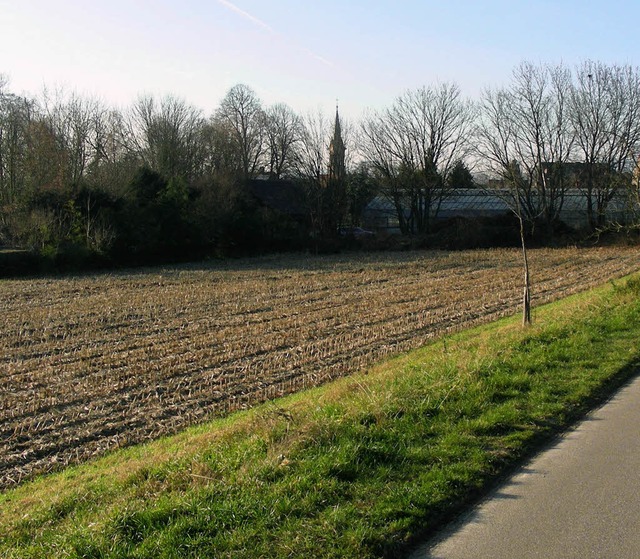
x=16 y=114
x=605 y=114
x=221 y=155
x=526 y=127
x=284 y=129
x=413 y=145
x=312 y=164
x=77 y=123
x=166 y=135
x=241 y=114
x=525 y=139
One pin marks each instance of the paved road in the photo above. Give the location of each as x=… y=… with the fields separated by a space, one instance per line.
x=579 y=499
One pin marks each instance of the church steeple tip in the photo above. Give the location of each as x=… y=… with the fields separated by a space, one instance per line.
x=337 y=151
x=337 y=132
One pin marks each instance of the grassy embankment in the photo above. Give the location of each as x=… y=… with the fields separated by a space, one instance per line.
x=354 y=469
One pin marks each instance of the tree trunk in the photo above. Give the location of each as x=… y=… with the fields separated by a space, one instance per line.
x=526 y=299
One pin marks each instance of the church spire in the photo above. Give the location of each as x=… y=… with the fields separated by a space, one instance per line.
x=337 y=152
x=334 y=193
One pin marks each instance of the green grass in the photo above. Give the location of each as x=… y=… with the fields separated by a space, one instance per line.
x=359 y=468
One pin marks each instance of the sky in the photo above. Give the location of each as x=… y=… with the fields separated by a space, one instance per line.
x=307 y=54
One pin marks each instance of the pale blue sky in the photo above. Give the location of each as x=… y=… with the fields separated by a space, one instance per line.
x=303 y=53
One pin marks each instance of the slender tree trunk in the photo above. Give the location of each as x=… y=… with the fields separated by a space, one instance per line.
x=526 y=299
x=88 y=230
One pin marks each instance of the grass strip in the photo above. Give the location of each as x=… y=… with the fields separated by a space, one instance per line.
x=359 y=468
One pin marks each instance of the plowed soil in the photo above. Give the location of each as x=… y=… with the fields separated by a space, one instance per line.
x=91 y=363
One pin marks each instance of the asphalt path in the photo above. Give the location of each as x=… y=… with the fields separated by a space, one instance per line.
x=578 y=499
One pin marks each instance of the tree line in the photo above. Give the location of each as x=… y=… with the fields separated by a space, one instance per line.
x=550 y=130
x=157 y=181
x=161 y=180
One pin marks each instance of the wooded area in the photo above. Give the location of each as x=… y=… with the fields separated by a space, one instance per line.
x=84 y=183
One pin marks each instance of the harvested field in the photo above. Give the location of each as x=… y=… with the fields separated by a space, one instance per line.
x=95 y=362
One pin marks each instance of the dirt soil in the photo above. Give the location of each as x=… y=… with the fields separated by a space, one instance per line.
x=96 y=362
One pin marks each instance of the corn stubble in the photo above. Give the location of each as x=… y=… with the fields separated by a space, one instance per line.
x=92 y=363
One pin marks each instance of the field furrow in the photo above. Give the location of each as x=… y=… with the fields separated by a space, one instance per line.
x=92 y=363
